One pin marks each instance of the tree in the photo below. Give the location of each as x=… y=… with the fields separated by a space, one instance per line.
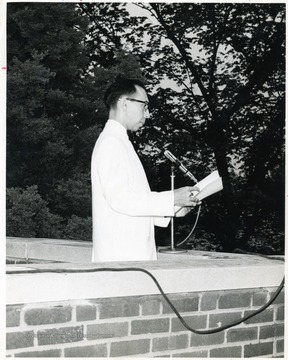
x=55 y=111
x=50 y=104
x=233 y=89
x=46 y=92
x=216 y=77
x=28 y=215
x=225 y=107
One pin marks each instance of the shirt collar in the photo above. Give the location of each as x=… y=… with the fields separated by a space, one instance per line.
x=117 y=126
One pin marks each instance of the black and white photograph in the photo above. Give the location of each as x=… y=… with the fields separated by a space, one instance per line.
x=144 y=190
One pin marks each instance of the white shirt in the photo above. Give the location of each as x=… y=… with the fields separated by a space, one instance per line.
x=124 y=208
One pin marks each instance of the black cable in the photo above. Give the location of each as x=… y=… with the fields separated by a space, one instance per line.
x=135 y=269
x=193 y=228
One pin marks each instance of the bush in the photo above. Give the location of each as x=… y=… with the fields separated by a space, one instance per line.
x=78 y=228
x=28 y=215
x=268 y=239
x=199 y=240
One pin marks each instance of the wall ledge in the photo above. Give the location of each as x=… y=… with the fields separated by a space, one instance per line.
x=176 y=273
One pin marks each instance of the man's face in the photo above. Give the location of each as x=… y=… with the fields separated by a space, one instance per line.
x=137 y=111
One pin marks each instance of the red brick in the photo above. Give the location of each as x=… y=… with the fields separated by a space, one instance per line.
x=194 y=354
x=280 y=313
x=226 y=352
x=85 y=312
x=118 y=307
x=258 y=349
x=280 y=346
x=40 y=354
x=223 y=319
x=238 y=335
x=178 y=342
x=150 y=307
x=208 y=302
x=149 y=326
x=59 y=336
x=260 y=298
x=263 y=317
x=170 y=343
x=86 y=351
x=13 y=315
x=234 y=300
x=194 y=321
x=160 y=344
x=110 y=330
x=132 y=347
x=271 y=331
x=279 y=299
x=17 y=340
x=187 y=303
x=162 y=356
x=53 y=315
x=205 y=340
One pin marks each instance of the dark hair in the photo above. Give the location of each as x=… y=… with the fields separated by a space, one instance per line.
x=120 y=86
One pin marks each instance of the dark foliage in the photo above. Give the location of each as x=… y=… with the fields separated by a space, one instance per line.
x=216 y=77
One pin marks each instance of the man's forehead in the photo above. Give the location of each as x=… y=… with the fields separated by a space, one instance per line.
x=140 y=91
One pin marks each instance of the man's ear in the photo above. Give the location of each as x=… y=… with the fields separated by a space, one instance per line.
x=122 y=103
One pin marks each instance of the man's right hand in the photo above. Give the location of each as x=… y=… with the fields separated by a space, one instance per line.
x=185 y=196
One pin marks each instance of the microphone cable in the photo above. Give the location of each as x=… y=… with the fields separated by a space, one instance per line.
x=193 y=228
x=166 y=298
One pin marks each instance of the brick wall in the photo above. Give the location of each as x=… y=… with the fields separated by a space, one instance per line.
x=146 y=326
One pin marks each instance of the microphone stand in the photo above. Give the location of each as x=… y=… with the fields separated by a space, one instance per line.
x=172 y=249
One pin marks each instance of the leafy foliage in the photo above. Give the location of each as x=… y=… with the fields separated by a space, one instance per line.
x=51 y=105
x=216 y=78
x=28 y=215
x=227 y=63
x=78 y=228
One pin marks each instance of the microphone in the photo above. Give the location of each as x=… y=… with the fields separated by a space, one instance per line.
x=174 y=160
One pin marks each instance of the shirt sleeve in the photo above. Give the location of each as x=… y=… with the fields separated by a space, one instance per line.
x=162 y=221
x=114 y=171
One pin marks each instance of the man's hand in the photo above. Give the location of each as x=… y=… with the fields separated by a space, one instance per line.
x=182 y=211
x=185 y=196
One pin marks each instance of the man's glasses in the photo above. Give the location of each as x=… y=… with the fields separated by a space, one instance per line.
x=146 y=103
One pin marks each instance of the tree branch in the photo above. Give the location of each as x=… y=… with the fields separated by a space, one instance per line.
x=185 y=57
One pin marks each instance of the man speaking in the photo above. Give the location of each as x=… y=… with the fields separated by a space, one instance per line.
x=124 y=208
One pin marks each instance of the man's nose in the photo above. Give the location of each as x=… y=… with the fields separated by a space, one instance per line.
x=147 y=114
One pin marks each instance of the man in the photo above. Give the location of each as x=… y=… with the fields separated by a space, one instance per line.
x=125 y=210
